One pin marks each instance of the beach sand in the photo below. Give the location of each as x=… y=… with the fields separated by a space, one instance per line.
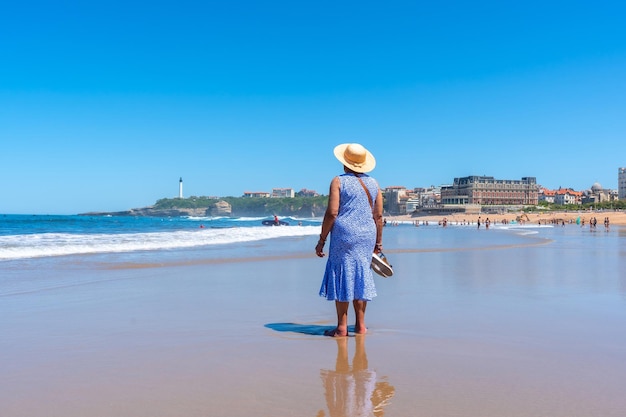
x=473 y=323
x=616 y=218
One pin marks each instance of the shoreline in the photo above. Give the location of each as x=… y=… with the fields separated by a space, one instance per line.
x=616 y=218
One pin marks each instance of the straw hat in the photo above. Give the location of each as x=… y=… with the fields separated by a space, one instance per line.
x=355 y=157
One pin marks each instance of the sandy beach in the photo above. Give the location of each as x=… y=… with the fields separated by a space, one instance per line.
x=514 y=323
x=616 y=218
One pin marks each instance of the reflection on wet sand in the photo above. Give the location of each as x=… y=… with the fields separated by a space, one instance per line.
x=354 y=390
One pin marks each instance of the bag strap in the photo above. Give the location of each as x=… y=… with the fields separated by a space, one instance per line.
x=369 y=197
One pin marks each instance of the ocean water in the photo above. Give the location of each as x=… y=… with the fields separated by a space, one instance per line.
x=40 y=252
x=42 y=236
x=44 y=252
x=46 y=236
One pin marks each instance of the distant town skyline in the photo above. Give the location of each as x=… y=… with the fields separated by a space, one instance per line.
x=273 y=190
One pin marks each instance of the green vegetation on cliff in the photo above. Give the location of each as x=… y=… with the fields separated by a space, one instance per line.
x=250 y=206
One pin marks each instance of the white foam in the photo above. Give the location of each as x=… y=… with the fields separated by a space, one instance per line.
x=59 y=244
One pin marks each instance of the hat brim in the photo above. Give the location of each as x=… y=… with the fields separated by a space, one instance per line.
x=367 y=166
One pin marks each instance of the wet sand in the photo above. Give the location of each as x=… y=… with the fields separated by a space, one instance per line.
x=474 y=323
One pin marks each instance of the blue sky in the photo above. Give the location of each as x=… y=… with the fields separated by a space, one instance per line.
x=104 y=105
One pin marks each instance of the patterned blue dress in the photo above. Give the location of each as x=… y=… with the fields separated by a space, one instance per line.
x=352 y=239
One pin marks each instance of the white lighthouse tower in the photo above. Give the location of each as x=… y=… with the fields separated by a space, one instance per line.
x=180 y=188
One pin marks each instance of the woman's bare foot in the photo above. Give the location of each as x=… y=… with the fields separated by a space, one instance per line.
x=336 y=332
x=360 y=329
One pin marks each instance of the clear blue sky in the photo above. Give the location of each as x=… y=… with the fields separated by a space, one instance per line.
x=104 y=105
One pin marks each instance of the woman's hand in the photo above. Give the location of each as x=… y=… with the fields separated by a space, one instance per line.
x=319 y=249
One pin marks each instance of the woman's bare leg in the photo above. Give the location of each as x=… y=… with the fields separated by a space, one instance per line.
x=359 y=311
x=342 y=320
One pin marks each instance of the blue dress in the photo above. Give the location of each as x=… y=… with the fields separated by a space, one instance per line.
x=352 y=239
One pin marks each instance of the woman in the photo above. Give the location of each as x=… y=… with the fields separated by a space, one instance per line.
x=354 y=221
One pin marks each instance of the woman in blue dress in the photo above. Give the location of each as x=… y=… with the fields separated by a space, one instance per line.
x=353 y=219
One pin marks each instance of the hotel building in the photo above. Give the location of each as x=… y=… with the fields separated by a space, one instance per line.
x=621 y=181
x=485 y=191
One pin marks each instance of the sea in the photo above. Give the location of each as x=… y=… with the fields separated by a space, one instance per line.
x=30 y=237
x=123 y=238
x=43 y=236
x=43 y=252
x=47 y=251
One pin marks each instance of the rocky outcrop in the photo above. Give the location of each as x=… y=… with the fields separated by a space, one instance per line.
x=221 y=208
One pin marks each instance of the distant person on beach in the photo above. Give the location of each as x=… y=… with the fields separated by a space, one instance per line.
x=354 y=220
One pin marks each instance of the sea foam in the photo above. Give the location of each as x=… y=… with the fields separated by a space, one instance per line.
x=60 y=244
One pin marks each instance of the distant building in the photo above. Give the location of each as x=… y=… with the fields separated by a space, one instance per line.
x=430 y=197
x=413 y=204
x=395 y=199
x=488 y=191
x=597 y=194
x=257 y=194
x=567 y=196
x=283 y=192
x=546 y=195
x=307 y=193
x=180 y=188
x=621 y=181
x=562 y=196
x=421 y=198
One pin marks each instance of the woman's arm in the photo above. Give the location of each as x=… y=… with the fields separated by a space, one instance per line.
x=329 y=217
x=378 y=219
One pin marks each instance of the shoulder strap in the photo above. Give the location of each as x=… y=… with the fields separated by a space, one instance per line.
x=369 y=197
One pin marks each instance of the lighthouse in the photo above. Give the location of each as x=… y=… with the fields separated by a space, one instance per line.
x=180 y=188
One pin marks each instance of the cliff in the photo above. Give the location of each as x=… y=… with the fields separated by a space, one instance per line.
x=228 y=206
x=220 y=208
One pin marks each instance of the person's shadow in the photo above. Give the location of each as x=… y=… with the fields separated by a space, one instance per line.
x=308 y=329
x=354 y=390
